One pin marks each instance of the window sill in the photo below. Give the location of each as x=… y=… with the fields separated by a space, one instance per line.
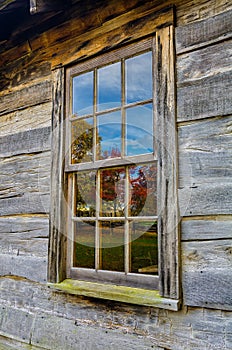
x=123 y=294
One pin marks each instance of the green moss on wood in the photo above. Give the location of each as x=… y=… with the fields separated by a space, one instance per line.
x=116 y=293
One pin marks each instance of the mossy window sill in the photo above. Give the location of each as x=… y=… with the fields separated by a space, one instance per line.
x=123 y=294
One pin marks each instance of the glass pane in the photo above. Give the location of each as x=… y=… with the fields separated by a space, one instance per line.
x=143 y=248
x=109 y=135
x=85 y=196
x=112 y=192
x=84 y=244
x=83 y=94
x=139 y=130
x=82 y=141
x=112 y=245
x=109 y=86
x=143 y=190
x=139 y=78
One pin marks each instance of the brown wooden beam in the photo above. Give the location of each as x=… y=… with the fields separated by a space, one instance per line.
x=41 y=6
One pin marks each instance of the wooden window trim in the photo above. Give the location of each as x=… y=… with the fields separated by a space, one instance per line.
x=165 y=120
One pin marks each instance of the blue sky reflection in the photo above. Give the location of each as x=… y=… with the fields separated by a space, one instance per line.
x=109 y=131
x=139 y=130
x=83 y=94
x=139 y=78
x=109 y=87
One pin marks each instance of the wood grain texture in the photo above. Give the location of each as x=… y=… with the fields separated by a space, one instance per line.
x=23 y=71
x=31 y=267
x=31 y=141
x=131 y=26
x=204 y=98
x=24 y=235
x=25 y=97
x=205 y=32
x=166 y=140
x=30 y=118
x=205 y=167
x=206 y=228
x=189 y=329
x=207 y=199
x=25 y=184
x=33 y=225
x=57 y=237
x=205 y=62
x=205 y=152
x=207 y=274
x=195 y=10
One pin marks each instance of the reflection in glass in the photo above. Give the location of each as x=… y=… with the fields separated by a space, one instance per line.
x=84 y=245
x=85 y=194
x=109 y=135
x=82 y=140
x=112 y=192
x=139 y=130
x=143 y=248
x=142 y=190
x=112 y=245
x=139 y=78
x=83 y=94
x=109 y=86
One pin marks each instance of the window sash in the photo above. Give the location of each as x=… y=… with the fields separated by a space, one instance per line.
x=165 y=110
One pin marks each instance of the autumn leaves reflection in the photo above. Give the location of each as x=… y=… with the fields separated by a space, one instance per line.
x=139 y=181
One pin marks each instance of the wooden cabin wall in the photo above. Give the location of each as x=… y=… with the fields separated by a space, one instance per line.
x=32 y=313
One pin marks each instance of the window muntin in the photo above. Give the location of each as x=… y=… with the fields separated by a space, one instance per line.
x=111 y=154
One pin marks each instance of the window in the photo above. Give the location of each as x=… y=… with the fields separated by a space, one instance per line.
x=114 y=211
x=112 y=167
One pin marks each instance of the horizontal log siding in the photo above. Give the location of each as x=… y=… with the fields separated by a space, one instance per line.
x=28 y=309
x=204 y=96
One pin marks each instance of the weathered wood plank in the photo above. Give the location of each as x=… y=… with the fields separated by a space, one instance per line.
x=57 y=236
x=31 y=141
x=205 y=32
x=194 y=10
x=205 y=167
x=27 y=188
x=205 y=62
x=126 y=28
x=22 y=71
x=33 y=225
x=165 y=121
x=205 y=152
x=206 y=228
x=25 y=203
x=207 y=199
x=24 y=235
x=207 y=274
x=33 y=268
x=26 y=246
x=204 y=98
x=26 y=97
x=67 y=41
x=27 y=119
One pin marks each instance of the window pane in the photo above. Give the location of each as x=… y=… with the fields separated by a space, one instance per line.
x=139 y=78
x=83 y=94
x=112 y=246
x=139 y=130
x=112 y=192
x=82 y=141
x=143 y=248
x=85 y=196
x=84 y=244
x=109 y=86
x=109 y=135
x=142 y=189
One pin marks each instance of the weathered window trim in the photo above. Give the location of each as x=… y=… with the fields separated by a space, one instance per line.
x=168 y=221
